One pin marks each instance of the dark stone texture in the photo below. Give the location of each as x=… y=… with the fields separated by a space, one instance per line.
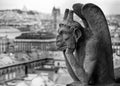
x=77 y=84
x=87 y=50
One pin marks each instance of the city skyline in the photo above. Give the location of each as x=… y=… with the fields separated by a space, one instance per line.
x=45 y=6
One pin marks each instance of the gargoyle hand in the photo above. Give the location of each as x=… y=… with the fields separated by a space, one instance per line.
x=69 y=51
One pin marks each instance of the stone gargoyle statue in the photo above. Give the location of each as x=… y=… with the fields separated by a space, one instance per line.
x=87 y=49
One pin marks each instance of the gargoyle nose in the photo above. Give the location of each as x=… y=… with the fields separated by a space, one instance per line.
x=58 y=39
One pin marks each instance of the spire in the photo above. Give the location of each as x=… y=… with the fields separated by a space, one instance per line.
x=24 y=8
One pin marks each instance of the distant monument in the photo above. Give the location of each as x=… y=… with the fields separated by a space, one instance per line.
x=87 y=50
x=55 y=14
x=56 y=11
x=24 y=8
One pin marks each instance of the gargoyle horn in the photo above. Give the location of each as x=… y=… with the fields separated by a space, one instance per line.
x=66 y=14
x=70 y=16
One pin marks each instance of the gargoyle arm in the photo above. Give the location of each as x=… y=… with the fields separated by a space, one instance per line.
x=71 y=72
x=78 y=70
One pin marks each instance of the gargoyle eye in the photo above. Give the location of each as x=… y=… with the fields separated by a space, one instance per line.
x=63 y=32
x=60 y=32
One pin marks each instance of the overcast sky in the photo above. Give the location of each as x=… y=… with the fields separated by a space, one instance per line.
x=108 y=6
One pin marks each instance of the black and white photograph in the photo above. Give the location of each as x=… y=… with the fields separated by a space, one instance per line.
x=59 y=42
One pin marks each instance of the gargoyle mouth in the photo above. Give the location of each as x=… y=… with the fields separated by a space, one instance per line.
x=61 y=46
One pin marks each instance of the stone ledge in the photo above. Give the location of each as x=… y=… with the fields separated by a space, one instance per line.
x=78 y=84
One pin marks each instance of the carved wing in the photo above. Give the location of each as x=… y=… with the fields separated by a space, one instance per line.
x=93 y=16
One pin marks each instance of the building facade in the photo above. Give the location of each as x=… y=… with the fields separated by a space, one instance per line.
x=4 y=41
x=29 y=44
x=116 y=46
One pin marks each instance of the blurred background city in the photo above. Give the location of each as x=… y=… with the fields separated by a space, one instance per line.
x=28 y=28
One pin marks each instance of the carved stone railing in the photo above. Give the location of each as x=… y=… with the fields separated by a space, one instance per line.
x=20 y=70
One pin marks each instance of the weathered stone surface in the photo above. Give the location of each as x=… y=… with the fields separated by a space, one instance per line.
x=87 y=50
x=78 y=84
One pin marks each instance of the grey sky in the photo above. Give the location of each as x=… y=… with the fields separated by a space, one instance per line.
x=108 y=6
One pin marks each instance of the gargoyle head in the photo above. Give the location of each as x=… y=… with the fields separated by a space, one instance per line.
x=68 y=32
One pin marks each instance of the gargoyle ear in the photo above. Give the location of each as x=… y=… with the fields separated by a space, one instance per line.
x=77 y=34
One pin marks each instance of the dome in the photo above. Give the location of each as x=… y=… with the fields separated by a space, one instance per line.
x=38 y=81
